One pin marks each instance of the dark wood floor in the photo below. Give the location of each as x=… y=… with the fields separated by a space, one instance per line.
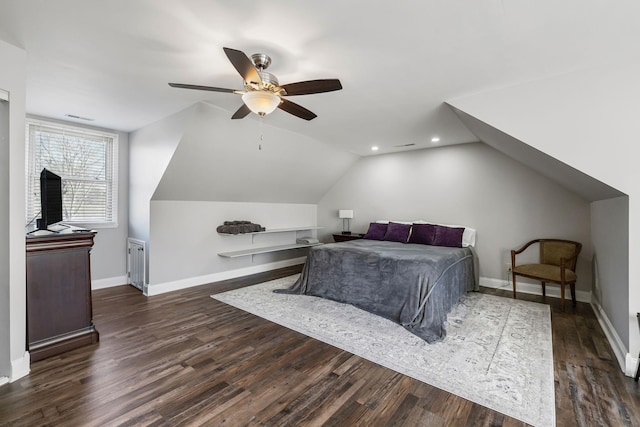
x=182 y=358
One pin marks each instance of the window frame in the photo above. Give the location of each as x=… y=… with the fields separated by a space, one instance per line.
x=32 y=207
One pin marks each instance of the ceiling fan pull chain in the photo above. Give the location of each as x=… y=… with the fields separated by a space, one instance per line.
x=261 y=134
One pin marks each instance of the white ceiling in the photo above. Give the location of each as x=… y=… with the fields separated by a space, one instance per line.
x=397 y=61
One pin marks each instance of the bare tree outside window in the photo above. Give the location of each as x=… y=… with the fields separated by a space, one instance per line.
x=85 y=162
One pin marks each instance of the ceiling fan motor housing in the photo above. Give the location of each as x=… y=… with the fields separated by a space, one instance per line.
x=261 y=61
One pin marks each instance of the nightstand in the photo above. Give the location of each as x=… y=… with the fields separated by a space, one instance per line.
x=337 y=237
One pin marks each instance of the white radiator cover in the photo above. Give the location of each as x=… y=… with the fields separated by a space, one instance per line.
x=136 y=261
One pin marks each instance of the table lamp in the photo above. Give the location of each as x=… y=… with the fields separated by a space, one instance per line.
x=345 y=215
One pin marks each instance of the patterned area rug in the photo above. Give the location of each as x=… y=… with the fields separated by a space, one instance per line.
x=497 y=353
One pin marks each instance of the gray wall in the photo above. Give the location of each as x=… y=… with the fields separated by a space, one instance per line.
x=469 y=184
x=610 y=236
x=108 y=256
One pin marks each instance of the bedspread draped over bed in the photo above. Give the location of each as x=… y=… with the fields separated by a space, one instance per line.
x=411 y=284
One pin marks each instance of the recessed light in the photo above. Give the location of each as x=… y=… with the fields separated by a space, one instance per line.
x=374 y=148
x=435 y=139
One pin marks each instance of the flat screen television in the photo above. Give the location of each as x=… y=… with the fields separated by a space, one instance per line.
x=50 y=199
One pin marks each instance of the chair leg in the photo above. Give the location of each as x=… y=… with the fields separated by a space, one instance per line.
x=544 y=289
x=573 y=294
x=638 y=371
x=513 y=278
x=562 y=295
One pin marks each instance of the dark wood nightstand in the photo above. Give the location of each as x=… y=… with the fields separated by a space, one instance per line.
x=337 y=237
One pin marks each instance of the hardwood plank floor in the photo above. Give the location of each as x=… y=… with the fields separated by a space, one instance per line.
x=182 y=358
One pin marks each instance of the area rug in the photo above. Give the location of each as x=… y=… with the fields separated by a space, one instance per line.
x=497 y=353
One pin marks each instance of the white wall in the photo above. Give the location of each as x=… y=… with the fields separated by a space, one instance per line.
x=469 y=184
x=206 y=163
x=245 y=160
x=14 y=360
x=186 y=245
x=150 y=150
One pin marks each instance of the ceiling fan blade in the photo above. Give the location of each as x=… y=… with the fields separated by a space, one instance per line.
x=209 y=88
x=296 y=110
x=312 y=86
x=243 y=64
x=242 y=112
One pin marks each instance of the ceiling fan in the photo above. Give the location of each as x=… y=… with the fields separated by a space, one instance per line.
x=262 y=93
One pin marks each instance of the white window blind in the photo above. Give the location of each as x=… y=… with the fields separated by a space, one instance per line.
x=86 y=160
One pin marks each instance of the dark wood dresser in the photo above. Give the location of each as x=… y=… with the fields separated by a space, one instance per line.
x=59 y=311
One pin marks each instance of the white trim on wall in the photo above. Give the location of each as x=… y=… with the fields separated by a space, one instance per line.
x=4 y=95
x=626 y=362
x=175 y=285
x=533 y=289
x=20 y=367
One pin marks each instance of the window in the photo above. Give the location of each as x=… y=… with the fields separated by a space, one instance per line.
x=86 y=160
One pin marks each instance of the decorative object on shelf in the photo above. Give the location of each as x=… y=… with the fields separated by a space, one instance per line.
x=239 y=227
x=255 y=250
x=345 y=215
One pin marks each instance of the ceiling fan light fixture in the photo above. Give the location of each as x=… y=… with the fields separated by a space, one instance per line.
x=261 y=102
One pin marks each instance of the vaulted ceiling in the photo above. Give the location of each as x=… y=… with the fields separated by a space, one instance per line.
x=399 y=61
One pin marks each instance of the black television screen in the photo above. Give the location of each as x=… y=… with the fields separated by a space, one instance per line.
x=50 y=199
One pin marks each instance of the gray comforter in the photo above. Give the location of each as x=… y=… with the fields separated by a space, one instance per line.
x=411 y=284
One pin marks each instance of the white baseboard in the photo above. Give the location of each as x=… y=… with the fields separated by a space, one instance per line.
x=109 y=282
x=534 y=289
x=160 y=288
x=631 y=365
x=20 y=367
x=626 y=362
x=4 y=380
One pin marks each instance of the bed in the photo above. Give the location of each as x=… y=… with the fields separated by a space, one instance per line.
x=412 y=284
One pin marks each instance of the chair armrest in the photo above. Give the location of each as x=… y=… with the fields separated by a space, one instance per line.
x=526 y=245
x=515 y=252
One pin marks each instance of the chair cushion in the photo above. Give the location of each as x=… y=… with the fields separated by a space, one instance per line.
x=545 y=272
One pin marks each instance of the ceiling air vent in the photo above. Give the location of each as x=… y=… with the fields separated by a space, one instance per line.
x=73 y=116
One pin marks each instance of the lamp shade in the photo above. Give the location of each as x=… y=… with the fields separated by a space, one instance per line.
x=261 y=102
x=345 y=213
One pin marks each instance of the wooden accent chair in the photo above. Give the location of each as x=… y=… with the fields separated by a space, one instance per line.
x=557 y=265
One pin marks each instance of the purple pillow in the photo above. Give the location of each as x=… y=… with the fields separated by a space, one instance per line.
x=424 y=234
x=397 y=232
x=448 y=236
x=376 y=231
